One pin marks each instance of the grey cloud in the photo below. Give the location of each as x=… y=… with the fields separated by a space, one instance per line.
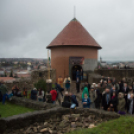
x=28 y=26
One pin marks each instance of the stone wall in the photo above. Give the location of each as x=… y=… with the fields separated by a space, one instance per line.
x=28 y=83
x=31 y=103
x=54 y=121
x=42 y=74
x=21 y=83
x=118 y=73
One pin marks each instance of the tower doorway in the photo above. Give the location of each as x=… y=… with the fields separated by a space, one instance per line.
x=74 y=70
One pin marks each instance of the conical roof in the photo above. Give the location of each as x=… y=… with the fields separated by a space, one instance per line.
x=74 y=34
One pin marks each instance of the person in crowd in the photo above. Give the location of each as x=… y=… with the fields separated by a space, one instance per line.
x=19 y=93
x=24 y=92
x=113 y=81
x=93 y=85
x=121 y=84
x=133 y=86
x=104 y=86
x=64 y=82
x=67 y=100
x=78 y=85
x=53 y=95
x=117 y=87
x=103 y=78
x=67 y=83
x=40 y=94
x=34 y=94
x=85 y=91
x=74 y=102
x=59 y=93
x=109 y=85
x=77 y=74
x=113 y=102
x=3 y=90
x=92 y=96
x=59 y=89
x=125 y=91
x=121 y=104
x=86 y=101
x=113 y=89
x=60 y=81
x=81 y=74
x=129 y=93
x=15 y=90
x=131 y=104
x=130 y=88
x=86 y=84
x=106 y=97
x=98 y=98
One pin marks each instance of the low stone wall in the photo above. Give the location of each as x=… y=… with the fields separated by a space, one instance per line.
x=20 y=83
x=117 y=73
x=54 y=121
x=31 y=103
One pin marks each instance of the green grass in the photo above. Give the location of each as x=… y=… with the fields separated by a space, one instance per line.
x=12 y=109
x=123 y=125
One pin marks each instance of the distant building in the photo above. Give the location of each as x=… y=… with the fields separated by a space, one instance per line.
x=103 y=63
x=121 y=65
x=29 y=63
x=7 y=79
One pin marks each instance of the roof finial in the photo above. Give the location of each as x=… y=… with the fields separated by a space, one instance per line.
x=74 y=12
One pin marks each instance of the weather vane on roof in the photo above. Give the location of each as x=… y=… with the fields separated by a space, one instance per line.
x=74 y=12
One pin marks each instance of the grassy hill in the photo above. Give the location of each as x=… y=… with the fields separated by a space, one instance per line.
x=123 y=125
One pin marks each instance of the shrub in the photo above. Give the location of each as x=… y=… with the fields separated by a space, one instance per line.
x=41 y=84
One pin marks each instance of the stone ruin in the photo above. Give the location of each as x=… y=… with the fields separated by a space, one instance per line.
x=43 y=74
x=54 y=121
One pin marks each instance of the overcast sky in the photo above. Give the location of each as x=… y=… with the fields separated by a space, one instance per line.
x=28 y=26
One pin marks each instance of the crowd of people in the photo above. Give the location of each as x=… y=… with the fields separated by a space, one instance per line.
x=110 y=95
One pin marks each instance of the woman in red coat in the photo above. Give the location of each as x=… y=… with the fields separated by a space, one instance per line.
x=54 y=95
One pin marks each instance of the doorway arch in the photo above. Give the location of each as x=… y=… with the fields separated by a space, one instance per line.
x=73 y=71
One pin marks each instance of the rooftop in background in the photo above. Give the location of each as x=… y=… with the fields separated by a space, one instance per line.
x=74 y=34
x=7 y=79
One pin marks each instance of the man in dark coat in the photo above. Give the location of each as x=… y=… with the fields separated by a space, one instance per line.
x=59 y=89
x=125 y=91
x=78 y=85
x=106 y=98
x=77 y=74
x=98 y=99
x=114 y=101
x=66 y=101
x=34 y=94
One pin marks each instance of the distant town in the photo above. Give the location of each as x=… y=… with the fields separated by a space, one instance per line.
x=20 y=67
x=115 y=64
